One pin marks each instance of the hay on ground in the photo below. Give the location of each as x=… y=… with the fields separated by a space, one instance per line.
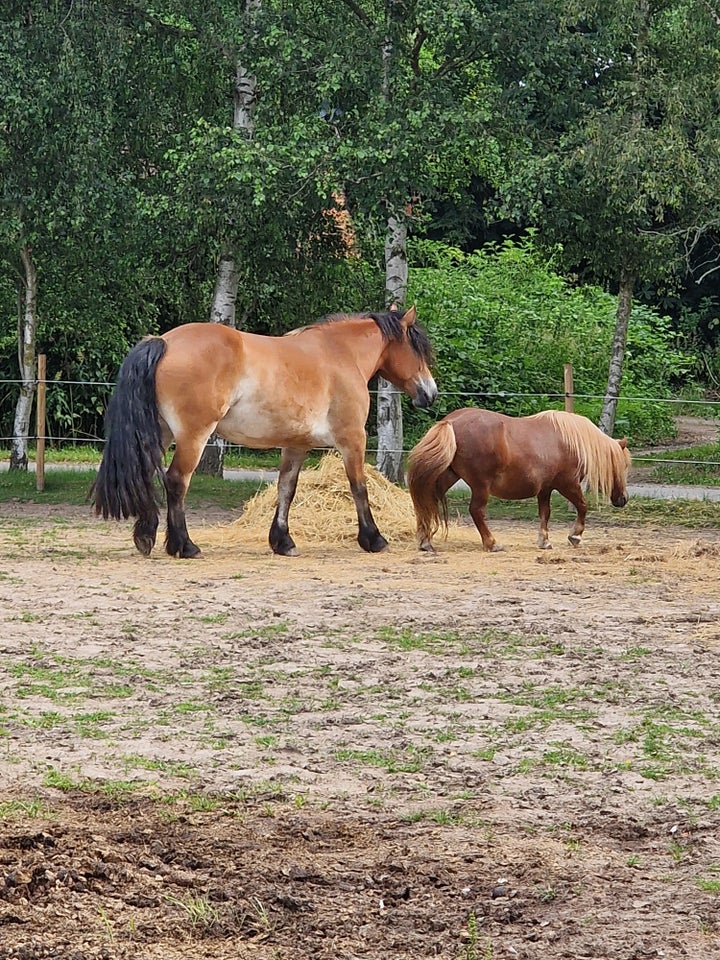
x=323 y=510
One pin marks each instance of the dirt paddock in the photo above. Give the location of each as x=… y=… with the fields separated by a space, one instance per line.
x=344 y=756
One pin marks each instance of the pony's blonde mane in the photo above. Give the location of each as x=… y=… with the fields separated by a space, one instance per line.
x=601 y=459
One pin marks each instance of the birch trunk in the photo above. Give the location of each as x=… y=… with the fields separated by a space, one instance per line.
x=27 y=361
x=389 y=407
x=617 y=357
x=224 y=302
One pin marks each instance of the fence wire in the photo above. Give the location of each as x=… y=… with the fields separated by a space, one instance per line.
x=73 y=439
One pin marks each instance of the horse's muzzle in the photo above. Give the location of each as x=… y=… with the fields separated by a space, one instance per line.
x=425 y=394
x=620 y=500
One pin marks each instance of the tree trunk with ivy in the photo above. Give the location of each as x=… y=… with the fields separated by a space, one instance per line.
x=224 y=300
x=617 y=356
x=27 y=360
x=389 y=407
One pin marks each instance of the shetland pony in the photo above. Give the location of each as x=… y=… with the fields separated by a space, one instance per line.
x=514 y=458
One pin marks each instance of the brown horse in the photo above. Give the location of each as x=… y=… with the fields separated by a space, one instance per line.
x=306 y=389
x=514 y=458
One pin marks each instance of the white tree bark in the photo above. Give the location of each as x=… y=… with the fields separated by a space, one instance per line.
x=224 y=302
x=617 y=357
x=27 y=361
x=389 y=408
x=226 y=291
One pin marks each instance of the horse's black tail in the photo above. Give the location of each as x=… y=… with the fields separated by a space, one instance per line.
x=133 y=453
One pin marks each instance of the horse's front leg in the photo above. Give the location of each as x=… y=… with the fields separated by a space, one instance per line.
x=576 y=498
x=369 y=537
x=290 y=463
x=478 y=505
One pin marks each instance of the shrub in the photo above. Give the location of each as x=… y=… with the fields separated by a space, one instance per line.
x=503 y=324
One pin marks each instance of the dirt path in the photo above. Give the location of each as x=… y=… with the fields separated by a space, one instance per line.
x=343 y=756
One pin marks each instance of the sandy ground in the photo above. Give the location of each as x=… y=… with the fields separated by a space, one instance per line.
x=343 y=756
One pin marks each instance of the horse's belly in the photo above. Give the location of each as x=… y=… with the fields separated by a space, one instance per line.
x=270 y=428
x=514 y=488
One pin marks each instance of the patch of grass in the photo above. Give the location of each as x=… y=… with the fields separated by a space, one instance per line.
x=685 y=513
x=73 y=487
x=198 y=910
x=410 y=760
x=213 y=618
x=709 y=886
x=23 y=809
x=260 y=633
x=175 y=768
x=61 y=780
x=677 y=465
x=565 y=755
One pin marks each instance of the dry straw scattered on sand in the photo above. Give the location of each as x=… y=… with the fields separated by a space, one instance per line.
x=323 y=510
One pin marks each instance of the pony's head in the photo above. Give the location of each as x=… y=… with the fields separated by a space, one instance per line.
x=407 y=356
x=621 y=465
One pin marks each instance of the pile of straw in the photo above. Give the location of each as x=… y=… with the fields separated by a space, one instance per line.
x=323 y=510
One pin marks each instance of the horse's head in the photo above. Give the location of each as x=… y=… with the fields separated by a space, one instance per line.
x=407 y=356
x=619 y=493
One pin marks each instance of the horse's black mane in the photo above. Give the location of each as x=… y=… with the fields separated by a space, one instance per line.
x=391 y=329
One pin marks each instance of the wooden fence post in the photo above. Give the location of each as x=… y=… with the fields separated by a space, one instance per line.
x=40 y=423
x=569 y=388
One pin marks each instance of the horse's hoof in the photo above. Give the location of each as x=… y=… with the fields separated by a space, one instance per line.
x=144 y=545
x=497 y=548
x=374 y=546
x=289 y=552
x=283 y=546
x=546 y=546
x=426 y=548
x=190 y=552
x=573 y=540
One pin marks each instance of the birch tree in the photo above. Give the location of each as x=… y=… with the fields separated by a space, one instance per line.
x=224 y=301
x=414 y=99
x=51 y=141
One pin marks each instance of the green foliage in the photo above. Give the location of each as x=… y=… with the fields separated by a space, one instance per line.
x=503 y=324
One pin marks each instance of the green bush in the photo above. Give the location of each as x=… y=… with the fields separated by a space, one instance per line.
x=504 y=324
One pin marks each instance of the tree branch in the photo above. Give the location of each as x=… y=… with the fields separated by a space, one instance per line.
x=420 y=38
x=360 y=14
x=713 y=13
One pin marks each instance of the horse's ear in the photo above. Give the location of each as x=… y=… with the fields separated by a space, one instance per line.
x=410 y=316
x=623 y=443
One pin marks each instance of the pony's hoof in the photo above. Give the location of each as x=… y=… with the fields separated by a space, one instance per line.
x=573 y=540
x=497 y=548
x=546 y=546
x=426 y=548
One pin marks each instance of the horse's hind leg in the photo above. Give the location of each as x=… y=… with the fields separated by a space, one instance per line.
x=280 y=540
x=544 y=514
x=442 y=484
x=145 y=532
x=146 y=525
x=188 y=450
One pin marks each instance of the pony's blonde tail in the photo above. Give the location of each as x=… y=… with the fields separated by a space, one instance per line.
x=428 y=459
